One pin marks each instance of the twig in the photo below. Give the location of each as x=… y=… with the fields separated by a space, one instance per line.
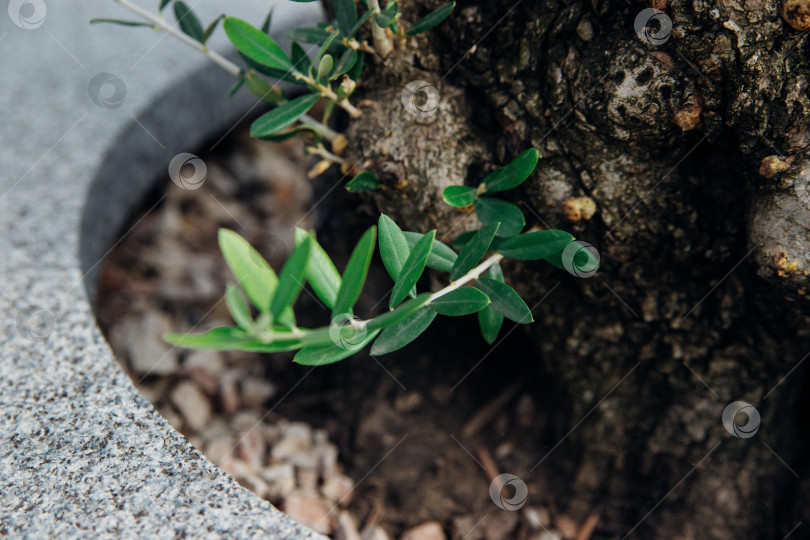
x=160 y=24
x=588 y=527
x=486 y=413
x=489 y=464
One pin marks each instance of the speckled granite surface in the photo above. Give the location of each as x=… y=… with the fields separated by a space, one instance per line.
x=81 y=453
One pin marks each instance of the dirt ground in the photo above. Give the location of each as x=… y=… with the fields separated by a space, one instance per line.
x=401 y=446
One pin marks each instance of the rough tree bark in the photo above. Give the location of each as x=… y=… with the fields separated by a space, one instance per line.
x=702 y=298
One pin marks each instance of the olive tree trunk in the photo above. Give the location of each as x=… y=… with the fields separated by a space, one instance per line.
x=691 y=138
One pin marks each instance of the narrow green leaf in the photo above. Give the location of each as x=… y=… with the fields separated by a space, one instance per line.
x=163 y=4
x=283 y=115
x=291 y=279
x=237 y=84
x=359 y=24
x=345 y=63
x=442 y=257
x=459 y=196
x=357 y=69
x=431 y=20
x=461 y=240
x=458 y=302
x=311 y=34
x=388 y=16
x=394 y=247
x=240 y=311
x=401 y=312
x=490 y=322
x=325 y=67
x=255 y=44
x=262 y=89
x=412 y=269
x=405 y=331
x=290 y=133
x=328 y=43
x=355 y=274
x=218 y=339
x=505 y=300
x=535 y=245
x=120 y=22
x=300 y=60
x=268 y=21
x=211 y=27
x=320 y=272
x=513 y=174
x=249 y=268
x=345 y=15
x=491 y=210
x=495 y=272
x=329 y=354
x=365 y=181
x=473 y=251
x=188 y=21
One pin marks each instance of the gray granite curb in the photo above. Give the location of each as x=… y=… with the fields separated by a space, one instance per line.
x=81 y=452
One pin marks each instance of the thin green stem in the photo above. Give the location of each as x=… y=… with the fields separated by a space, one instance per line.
x=472 y=275
x=325 y=154
x=328 y=93
x=160 y=24
x=268 y=336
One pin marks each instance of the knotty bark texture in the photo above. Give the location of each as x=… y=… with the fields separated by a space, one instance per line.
x=702 y=297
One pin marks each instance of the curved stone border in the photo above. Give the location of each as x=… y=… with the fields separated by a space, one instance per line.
x=81 y=452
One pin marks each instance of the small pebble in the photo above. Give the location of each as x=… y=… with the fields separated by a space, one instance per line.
x=280 y=480
x=192 y=404
x=407 y=403
x=310 y=512
x=252 y=449
x=210 y=361
x=229 y=393
x=347 y=527
x=255 y=392
x=220 y=447
x=375 y=533
x=307 y=480
x=567 y=526
x=142 y=341
x=426 y=531
x=296 y=439
x=338 y=489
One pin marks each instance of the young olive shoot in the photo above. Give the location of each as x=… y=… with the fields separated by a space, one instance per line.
x=324 y=61
x=474 y=285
